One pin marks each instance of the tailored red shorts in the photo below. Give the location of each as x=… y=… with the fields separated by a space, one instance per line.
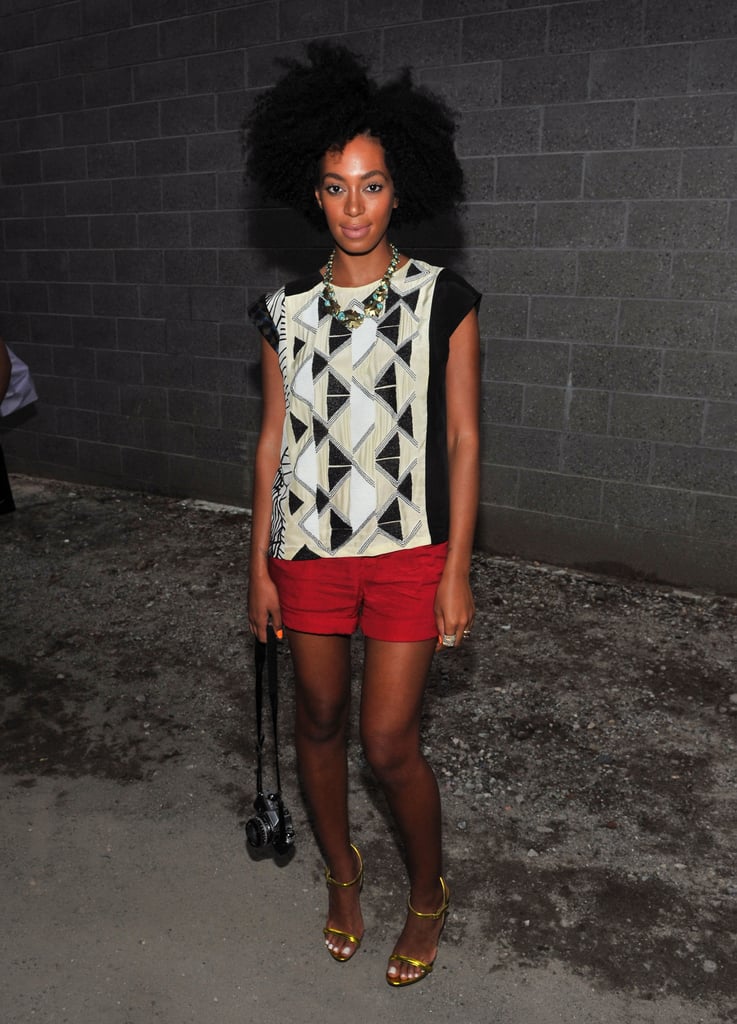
x=390 y=596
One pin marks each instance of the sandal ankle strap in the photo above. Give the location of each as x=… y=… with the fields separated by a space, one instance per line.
x=436 y=915
x=354 y=881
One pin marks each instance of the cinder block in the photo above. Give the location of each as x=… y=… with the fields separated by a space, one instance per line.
x=162 y=436
x=714 y=66
x=583 y=225
x=220 y=445
x=25 y=233
x=527 y=362
x=231 y=109
x=595 y=26
x=43 y=201
x=657 y=419
x=687 y=121
x=137 y=195
x=386 y=14
x=543 y=407
x=51 y=330
x=238 y=267
x=188 y=116
x=504 y=316
x=705 y=275
x=117 y=231
x=191 y=266
x=560 y=495
x=97 y=17
x=191 y=337
x=11 y=200
x=695 y=469
x=78 y=363
x=244 y=27
x=498 y=484
x=164 y=302
x=217 y=231
x=115 y=299
x=726 y=333
x=666 y=22
x=231 y=191
x=545 y=79
x=136 y=266
x=87 y=53
x=240 y=414
x=87 y=197
x=606 y=458
x=163 y=10
x=83 y=127
x=539 y=177
x=667 y=324
x=121 y=430
x=163 y=230
x=710 y=173
x=589 y=126
x=100 y=396
x=21 y=99
x=532 y=272
x=216 y=72
x=104 y=88
x=501 y=225
x=502 y=35
x=56 y=451
x=134 y=121
x=677 y=225
x=161 y=156
x=148 y=470
x=197 y=408
x=466 y=87
x=60 y=94
x=32 y=64
x=641 y=71
x=486 y=132
x=716 y=517
x=120 y=367
x=162 y=80
x=37 y=133
x=220 y=376
x=64 y=164
x=93 y=332
x=705 y=374
x=720 y=429
x=624 y=273
x=181 y=37
x=67 y=233
x=501 y=403
x=522 y=447
x=67 y=298
x=19 y=31
x=77 y=423
x=298 y=20
x=27 y=297
x=141 y=335
x=221 y=151
x=632 y=175
x=13 y=266
x=613 y=368
x=112 y=160
x=131 y=46
x=652 y=508
x=102 y=460
x=218 y=303
x=190 y=192
x=574 y=319
x=21 y=168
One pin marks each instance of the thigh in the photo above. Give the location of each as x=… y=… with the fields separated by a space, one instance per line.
x=322 y=670
x=394 y=681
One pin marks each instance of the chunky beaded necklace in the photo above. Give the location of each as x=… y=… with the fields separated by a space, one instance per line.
x=353 y=318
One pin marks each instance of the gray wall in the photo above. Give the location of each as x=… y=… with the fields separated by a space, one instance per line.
x=599 y=143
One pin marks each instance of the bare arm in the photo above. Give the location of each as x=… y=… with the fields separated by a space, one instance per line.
x=4 y=369
x=454 y=608
x=263 y=601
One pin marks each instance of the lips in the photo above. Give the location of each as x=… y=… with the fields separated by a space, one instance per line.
x=354 y=231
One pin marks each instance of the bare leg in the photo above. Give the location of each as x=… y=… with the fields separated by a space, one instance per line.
x=395 y=676
x=323 y=676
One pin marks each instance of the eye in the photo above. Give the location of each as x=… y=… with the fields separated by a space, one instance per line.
x=333 y=190
x=374 y=186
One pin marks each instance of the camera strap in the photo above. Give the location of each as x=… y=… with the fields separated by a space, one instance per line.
x=265 y=654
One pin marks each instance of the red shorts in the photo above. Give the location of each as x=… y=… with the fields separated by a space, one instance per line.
x=391 y=597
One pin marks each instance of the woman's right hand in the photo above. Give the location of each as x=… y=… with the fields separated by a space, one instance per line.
x=263 y=607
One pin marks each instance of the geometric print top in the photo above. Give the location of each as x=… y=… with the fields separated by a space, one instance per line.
x=364 y=466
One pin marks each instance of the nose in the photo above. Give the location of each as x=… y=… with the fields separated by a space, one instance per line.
x=353 y=202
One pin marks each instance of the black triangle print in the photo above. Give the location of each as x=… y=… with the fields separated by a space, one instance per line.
x=305 y=555
x=390 y=522
x=298 y=345
x=340 y=530
x=410 y=300
x=298 y=427
x=404 y=487
x=319 y=431
x=321 y=499
x=388 y=457
x=295 y=503
x=339 y=336
x=338 y=466
x=405 y=422
x=386 y=387
x=390 y=325
x=405 y=353
x=337 y=395
x=319 y=362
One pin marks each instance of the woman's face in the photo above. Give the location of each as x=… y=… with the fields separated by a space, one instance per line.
x=356 y=194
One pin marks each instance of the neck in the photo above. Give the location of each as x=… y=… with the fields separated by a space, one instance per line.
x=352 y=271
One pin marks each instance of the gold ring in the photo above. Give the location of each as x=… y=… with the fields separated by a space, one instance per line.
x=466 y=633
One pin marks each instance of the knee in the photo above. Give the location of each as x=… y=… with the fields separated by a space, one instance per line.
x=320 y=722
x=388 y=756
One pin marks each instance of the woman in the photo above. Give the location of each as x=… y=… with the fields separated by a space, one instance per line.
x=366 y=468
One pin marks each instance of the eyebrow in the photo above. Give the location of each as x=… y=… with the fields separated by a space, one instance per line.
x=368 y=174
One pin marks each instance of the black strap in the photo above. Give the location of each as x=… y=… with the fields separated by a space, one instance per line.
x=266 y=654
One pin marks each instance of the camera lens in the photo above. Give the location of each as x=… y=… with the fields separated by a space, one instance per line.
x=257 y=832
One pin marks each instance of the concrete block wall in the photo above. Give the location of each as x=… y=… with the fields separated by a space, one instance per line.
x=599 y=139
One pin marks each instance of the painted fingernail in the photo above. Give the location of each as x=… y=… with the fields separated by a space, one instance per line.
x=280 y=634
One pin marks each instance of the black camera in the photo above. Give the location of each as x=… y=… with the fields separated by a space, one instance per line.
x=272 y=823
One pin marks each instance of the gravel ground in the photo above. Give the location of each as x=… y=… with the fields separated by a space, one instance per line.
x=584 y=738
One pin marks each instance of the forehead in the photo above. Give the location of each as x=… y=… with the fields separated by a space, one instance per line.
x=360 y=156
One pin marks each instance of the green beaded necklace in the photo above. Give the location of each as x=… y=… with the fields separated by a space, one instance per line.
x=353 y=318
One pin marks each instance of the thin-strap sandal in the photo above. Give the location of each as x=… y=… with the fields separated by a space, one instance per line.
x=399 y=958
x=355 y=939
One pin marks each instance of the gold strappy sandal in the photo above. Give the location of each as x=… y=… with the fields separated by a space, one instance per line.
x=424 y=967
x=355 y=939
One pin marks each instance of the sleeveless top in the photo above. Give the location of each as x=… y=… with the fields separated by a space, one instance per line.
x=364 y=464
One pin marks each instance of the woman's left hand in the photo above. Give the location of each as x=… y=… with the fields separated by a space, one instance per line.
x=454 y=609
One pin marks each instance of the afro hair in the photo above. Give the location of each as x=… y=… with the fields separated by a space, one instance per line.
x=322 y=104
